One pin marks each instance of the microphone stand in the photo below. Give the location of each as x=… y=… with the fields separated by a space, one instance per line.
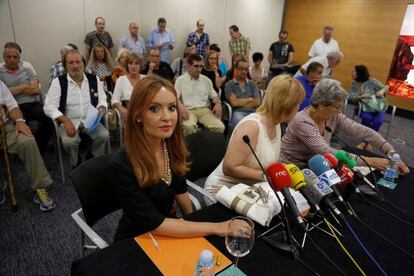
x=6 y=160
x=282 y=240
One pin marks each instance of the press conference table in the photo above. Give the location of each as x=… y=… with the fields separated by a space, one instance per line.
x=127 y=258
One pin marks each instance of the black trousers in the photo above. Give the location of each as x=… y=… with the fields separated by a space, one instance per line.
x=40 y=124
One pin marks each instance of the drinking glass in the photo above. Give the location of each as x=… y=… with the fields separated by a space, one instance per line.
x=240 y=237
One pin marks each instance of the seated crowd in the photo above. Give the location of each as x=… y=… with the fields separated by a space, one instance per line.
x=160 y=103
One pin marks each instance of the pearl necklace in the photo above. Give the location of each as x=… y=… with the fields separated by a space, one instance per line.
x=167 y=170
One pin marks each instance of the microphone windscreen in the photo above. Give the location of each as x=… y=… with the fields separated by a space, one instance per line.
x=318 y=164
x=310 y=177
x=279 y=176
x=297 y=177
x=246 y=139
x=333 y=162
x=345 y=157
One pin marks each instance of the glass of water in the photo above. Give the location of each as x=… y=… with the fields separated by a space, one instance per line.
x=240 y=237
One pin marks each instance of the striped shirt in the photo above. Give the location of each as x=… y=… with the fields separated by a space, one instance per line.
x=303 y=139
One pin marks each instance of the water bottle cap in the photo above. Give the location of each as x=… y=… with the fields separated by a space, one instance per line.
x=396 y=157
x=206 y=256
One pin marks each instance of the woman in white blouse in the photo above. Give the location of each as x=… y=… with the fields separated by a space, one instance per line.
x=280 y=104
x=125 y=84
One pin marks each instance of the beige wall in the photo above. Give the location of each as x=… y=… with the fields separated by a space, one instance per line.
x=41 y=27
x=366 y=30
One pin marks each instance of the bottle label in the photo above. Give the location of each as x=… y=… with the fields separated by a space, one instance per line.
x=390 y=174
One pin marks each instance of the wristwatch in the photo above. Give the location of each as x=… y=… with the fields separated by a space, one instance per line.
x=20 y=120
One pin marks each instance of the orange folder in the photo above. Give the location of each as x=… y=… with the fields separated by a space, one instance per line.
x=178 y=256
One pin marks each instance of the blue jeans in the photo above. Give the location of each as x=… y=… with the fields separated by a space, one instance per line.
x=236 y=118
x=372 y=120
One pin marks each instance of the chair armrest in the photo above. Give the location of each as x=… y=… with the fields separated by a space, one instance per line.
x=201 y=191
x=90 y=233
x=229 y=108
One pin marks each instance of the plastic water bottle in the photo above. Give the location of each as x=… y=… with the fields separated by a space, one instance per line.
x=206 y=260
x=391 y=172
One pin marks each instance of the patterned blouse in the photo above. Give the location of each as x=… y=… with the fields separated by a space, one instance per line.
x=370 y=87
x=303 y=140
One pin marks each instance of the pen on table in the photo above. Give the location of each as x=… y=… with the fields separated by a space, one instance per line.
x=154 y=241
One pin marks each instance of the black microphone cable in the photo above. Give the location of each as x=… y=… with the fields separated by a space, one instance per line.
x=376 y=189
x=356 y=217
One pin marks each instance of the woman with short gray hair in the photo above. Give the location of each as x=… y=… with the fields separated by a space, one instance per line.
x=306 y=135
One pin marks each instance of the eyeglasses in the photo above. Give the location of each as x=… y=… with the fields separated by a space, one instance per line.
x=197 y=66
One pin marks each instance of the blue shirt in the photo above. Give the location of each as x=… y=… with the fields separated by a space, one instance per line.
x=201 y=42
x=308 y=86
x=135 y=46
x=166 y=38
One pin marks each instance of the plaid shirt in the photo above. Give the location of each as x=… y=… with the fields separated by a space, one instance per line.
x=201 y=43
x=239 y=46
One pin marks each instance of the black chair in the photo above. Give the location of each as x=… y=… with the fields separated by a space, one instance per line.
x=96 y=196
x=207 y=149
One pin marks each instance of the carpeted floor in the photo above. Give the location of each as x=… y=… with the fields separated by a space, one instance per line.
x=37 y=243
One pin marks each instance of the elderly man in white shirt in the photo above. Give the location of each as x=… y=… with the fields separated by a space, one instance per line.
x=322 y=46
x=196 y=92
x=328 y=63
x=83 y=93
x=20 y=141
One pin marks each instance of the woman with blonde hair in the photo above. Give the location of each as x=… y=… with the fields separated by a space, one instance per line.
x=281 y=102
x=125 y=84
x=120 y=69
x=148 y=173
x=100 y=65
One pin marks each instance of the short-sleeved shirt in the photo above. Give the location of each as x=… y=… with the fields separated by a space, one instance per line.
x=201 y=42
x=239 y=46
x=23 y=75
x=195 y=92
x=144 y=209
x=249 y=89
x=212 y=76
x=308 y=86
x=93 y=38
x=7 y=99
x=320 y=48
x=178 y=66
x=165 y=38
x=323 y=61
x=135 y=46
x=280 y=52
x=164 y=70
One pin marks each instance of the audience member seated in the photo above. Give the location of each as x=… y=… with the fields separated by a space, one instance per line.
x=280 y=104
x=306 y=135
x=211 y=70
x=100 y=66
x=280 y=55
x=328 y=62
x=133 y=41
x=322 y=46
x=257 y=71
x=20 y=141
x=57 y=68
x=222 y=63
x=199 y=38
x=371 y=94
x=308 y=81
x=24 y=85
x=22 y=62
x=83 y=92
x=98 y=36
x=180 y=64
x=148 y=174
x=238 y=45
x=196 y=93
x=157 y=67
x=162 y=39
x=242 y=94
x=120 y=69
x=125 y=84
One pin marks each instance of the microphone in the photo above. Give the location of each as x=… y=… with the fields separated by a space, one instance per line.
x=299 y=184
x=280 y=181
x=345 y=174
x=344 y=157
x=318 y=190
